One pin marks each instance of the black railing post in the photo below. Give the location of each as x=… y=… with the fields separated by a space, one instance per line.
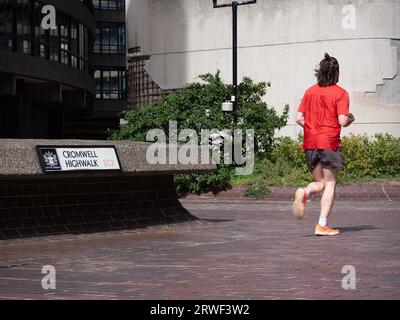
x=235 y=57
x=234 y=6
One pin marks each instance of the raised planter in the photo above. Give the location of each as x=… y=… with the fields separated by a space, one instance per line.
x=35 y=203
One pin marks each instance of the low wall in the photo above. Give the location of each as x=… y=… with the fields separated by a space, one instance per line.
x=33 y=203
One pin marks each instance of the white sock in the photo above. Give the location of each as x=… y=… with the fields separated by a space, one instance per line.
x=322 y=221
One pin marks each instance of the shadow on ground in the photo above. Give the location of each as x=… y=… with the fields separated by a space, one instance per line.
x=350 y=229
x=218 y=220
x=96 y=223
x=357 y=228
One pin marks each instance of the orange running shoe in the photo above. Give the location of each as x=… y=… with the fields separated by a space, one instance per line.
x=325 y=231
x=299 y=204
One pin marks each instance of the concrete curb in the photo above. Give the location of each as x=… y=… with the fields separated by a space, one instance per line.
x=389 y=192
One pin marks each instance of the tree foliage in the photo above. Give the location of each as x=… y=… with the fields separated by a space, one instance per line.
x=198 y=106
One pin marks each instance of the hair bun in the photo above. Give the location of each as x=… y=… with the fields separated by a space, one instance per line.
x=327 y=56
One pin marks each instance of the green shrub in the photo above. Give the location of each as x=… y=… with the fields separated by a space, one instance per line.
x=257 y=190
x=289 y=151
x=384 y=156
x=280 y=173
x=377 y=157
x=199 y=106
x=365 y=158
x=355 y=152
x=201 y=183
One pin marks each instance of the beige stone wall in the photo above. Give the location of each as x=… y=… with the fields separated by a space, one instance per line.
x=281 y=42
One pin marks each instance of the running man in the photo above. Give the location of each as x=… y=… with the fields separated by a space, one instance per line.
x=322 y=112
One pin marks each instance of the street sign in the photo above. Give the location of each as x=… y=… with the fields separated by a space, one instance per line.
x=78 y=158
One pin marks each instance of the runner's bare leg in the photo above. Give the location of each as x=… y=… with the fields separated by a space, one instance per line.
x=330 y=177
x=319 y=184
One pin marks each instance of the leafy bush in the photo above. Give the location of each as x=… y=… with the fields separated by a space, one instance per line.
x=378 y=157
x=198 y=106
x=287 y=150
x=384 y=155
x=286 y=164
x=201 y=183
x=355 y=152
x=257 y=190
x=366 y=159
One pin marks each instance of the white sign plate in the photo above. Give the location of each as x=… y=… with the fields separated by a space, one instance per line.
x=85 y=158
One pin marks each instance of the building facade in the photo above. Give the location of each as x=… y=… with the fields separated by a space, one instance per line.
x=280 y=41
x=109 y=62
x=49 y=78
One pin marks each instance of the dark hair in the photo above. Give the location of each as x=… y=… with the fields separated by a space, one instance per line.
x=328 y=71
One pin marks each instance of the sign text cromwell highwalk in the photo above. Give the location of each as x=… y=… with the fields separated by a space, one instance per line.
x=78 y=158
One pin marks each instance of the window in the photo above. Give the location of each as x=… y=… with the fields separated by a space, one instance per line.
x=6 y=19
x=97 y=77
x=6 y=42
x=24 y=32
x=109 y=5
x=21 y=31
x=110 y=84
x=41 y=35
x=83 y=48
x=54 y=44
x=5 y=16
x=97 y=40
x=74 y=44
x=110 y=38
x=64 y=27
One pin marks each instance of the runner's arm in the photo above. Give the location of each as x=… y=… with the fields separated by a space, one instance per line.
x=300 y=119
x=346 y=120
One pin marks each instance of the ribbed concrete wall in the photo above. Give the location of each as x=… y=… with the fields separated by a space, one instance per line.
x=281 y=42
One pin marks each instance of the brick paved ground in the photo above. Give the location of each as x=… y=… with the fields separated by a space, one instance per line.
x=239 y=250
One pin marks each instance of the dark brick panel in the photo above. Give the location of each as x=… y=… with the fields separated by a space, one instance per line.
x=33 y=207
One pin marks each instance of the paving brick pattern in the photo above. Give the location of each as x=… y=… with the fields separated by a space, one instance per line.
x=237 y=250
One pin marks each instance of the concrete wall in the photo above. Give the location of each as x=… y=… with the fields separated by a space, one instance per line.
x=34 y=203
x=282 y=42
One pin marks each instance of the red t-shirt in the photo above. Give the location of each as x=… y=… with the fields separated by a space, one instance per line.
x=321 y=107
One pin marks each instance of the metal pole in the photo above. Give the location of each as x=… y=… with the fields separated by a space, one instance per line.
x=235 y=62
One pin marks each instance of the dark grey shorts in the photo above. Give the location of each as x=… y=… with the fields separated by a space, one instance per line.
x=329 y=159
